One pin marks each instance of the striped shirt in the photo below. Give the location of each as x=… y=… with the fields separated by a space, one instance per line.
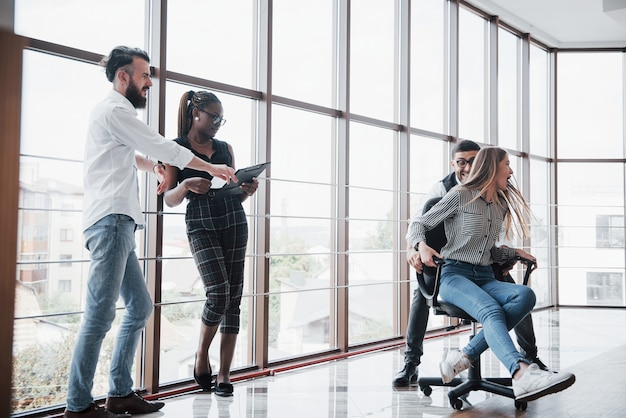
x=472 y=229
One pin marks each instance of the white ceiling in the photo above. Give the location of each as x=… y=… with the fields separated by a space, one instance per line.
x=564 y=23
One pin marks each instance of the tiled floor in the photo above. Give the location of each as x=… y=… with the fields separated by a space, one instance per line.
x=587 y=342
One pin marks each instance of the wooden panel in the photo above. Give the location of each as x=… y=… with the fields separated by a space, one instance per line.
x=10 y=106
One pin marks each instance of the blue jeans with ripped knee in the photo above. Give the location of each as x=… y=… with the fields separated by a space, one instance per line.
x=498 y=306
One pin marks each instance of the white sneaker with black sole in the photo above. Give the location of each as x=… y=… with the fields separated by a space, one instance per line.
x=455 y=363
x=536 y=383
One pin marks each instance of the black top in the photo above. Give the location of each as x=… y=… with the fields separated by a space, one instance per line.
x=220 y=156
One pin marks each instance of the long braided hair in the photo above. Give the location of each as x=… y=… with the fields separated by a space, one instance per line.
x=188 y=102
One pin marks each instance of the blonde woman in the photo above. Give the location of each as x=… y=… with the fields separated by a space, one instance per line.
x=474 y=214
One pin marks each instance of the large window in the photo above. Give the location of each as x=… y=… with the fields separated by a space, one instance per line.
x=50 y=291
x=301 y=266
x=325 y=259
x=590 y=126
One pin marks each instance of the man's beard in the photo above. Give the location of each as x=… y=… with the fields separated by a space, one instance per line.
x=133 y=94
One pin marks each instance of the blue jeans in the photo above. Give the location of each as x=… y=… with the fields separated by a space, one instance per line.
x=498 y=306
x=114 y=271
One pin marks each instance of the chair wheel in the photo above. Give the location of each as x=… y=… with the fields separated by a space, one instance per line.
x=521 y=405
x=427 y=390
x=456 y=403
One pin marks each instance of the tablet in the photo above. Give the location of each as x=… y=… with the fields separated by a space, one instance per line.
x=244 y=175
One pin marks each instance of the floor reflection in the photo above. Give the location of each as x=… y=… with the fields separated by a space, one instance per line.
x=587 y=342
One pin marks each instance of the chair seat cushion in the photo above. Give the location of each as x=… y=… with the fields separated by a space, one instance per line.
x=446 y=308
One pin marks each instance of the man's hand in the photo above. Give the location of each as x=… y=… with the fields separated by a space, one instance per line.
x=223 y=171
x=413 y=258
x=161 y=175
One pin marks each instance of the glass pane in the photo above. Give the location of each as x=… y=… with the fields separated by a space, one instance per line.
x=539 y=100
x=372 y=32
x=180 y=331
x=229 y=26
x=52 y=261
x=297 y=200
x=591 y=229
x=428 y=92
x=302 y=145
x=51 y=257
x=428 y=166
x=472 y=75
x=590 y=111
x=299 y=314
x=301 y=227
x=42 y=352
x=49 y=90
x=370 y=315
x=540 y=230
x=302 y=66
x=101 y=26
x=371 y=156
x=508 y=90
x=429 y=163
x=370 y=225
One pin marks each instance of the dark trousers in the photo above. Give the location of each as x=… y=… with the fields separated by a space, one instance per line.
x=418 y=321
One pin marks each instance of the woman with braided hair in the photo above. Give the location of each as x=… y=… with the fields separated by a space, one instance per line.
x=217 y=230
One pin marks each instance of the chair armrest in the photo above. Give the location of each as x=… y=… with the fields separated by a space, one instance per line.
x=530 y=265
x=430 y=296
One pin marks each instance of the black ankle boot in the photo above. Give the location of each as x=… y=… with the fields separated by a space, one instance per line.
x=407 y=375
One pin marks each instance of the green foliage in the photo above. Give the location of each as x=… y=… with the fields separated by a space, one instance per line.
x=382 y=239
x=41 y=372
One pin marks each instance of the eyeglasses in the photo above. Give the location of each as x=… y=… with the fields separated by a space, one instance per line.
x=216 y=119
x=462 y=162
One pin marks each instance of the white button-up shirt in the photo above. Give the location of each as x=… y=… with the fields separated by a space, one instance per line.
x=110 y=172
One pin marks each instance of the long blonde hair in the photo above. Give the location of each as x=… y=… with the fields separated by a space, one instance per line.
x=482 y=178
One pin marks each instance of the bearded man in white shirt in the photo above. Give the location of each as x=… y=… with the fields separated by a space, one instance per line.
x=112 y=213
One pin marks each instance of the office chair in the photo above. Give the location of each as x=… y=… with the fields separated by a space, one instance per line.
x=428 y=283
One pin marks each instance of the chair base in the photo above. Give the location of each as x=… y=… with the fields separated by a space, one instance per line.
x=463 y=386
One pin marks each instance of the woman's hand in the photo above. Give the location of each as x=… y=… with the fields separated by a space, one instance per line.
x=162 y=176
x=524 y=255
x=250 y=187
x=427 y=253
x=413 y=258
x=197 y=185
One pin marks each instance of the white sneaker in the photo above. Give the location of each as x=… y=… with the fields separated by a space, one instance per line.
x=455 y=363
x=536 y=383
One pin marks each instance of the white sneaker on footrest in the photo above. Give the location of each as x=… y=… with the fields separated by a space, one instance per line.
x=536 y=383
x=455 y=363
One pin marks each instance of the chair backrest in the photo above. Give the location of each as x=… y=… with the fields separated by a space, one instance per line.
x=428 y=281
x=436 y=237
